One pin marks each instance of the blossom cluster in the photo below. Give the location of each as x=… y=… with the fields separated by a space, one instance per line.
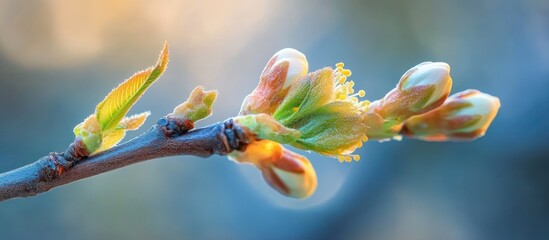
x=320 y=111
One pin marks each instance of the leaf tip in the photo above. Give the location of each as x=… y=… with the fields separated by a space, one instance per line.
x=163 y=58
x=135 y=121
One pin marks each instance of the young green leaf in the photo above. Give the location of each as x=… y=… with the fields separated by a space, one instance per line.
x=133 y=122
x=111 y=139
x=119 y=101
x=130 y=123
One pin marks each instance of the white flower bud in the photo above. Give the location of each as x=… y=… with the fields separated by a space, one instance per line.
x=421 y=89
x=284 y=68
x=298 y=65
x=429 y=73
x=483 y=105
x=463 y=116
x=292 y=175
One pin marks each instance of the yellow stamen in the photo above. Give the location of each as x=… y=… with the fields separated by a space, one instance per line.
x=295 y=109
x=348 y=159
x=364 y=104
x=341 y=80
x=343 y=91
x=346 y=72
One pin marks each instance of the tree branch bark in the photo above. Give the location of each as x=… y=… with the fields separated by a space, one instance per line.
x=56 y=169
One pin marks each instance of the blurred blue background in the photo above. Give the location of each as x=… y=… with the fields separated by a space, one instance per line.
x=59 y=58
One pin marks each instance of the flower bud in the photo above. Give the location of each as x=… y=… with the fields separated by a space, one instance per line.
x=463 y=116
x=429 y=73
x=284 y=68
x=421 y=89
x=298 y=65
x=287 y=172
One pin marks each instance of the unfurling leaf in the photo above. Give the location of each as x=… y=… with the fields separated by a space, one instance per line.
x=108 y=125
x=133 y=122
x=119 y=101
x=111 y=139
x=127 y=124
x=335 y=129
x=323 y=108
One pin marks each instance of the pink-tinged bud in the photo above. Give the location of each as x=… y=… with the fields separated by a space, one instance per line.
x=420 y=90
x=298 y=65
x=287 y=172
x=283 y=69
x=429 y=73
x=463 y=116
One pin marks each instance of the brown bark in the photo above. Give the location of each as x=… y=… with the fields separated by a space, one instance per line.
x=161 y=140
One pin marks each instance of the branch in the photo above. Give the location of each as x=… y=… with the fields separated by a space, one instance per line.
x=162 y=140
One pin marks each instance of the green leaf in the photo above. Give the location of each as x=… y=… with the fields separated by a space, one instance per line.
x=111 y=139
x=118 y=102
x=133 y=122
x=305 y=96
x=333 y=129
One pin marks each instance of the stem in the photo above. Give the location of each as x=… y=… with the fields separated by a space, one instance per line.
x=49 y=172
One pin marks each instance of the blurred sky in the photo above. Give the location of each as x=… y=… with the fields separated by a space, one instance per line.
x=59 y=58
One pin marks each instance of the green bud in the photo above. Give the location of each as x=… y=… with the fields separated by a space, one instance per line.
x=197 y=107
x=90 y=133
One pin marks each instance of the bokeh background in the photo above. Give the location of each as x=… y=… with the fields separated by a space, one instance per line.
x=59 y=58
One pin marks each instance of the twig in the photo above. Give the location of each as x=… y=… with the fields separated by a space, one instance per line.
x=162 y=140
